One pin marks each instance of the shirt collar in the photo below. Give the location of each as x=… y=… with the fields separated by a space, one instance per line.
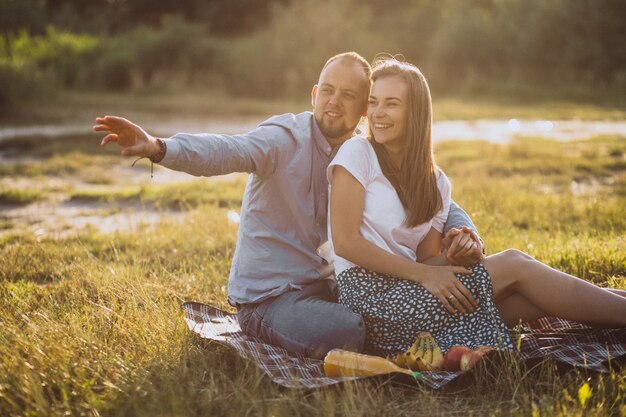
x=319 y=137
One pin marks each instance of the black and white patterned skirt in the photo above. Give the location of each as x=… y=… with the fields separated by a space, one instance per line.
x=395 y=310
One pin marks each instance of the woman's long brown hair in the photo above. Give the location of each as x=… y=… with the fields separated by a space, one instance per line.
x=416 y=180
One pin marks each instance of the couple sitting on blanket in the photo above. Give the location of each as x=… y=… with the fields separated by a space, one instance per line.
x=406 y=257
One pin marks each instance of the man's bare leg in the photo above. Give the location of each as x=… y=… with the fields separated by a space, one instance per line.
x=553 y=292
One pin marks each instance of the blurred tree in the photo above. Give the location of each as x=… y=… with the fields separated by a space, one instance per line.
x=274 y=47
x=233 y=17
x=223 y=17
x=285 y=58
x=16 y=15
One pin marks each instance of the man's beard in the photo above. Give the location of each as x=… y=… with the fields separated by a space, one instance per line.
x=334 y=132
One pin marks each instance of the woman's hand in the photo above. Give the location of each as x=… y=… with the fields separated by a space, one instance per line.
x=443 y=284
x=462 y=246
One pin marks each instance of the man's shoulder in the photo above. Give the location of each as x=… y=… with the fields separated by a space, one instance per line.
x=299 y=125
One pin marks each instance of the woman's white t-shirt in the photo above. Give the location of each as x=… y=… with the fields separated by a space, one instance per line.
x=383 y=213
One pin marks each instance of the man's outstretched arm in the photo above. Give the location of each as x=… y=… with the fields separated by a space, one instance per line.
x=200 y=154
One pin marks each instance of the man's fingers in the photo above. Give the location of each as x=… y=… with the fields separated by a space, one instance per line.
x=112 y=137
x=101 y=127
x=455 y=244
x=467 y=229
x=466 y=249
x=112 y=120
x=472 y=233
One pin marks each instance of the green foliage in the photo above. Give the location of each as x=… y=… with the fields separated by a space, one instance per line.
x=529 y=49
x=57 y=52
x=178 y=46
x=17 y=15
x=39 y=64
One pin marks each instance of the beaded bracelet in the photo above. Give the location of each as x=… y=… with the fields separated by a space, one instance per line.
x=158 y=157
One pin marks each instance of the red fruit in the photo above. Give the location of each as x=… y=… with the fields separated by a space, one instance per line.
x=452 y=358
x=469 y=359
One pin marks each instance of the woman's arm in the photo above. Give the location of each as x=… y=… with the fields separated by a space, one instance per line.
x=346 y=207
x=429 y=250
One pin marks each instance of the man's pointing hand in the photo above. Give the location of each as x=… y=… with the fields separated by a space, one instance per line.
x=131 y=137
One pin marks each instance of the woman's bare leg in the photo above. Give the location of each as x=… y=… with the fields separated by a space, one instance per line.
x=618 y=292
x=554 y=292
x=516 y=308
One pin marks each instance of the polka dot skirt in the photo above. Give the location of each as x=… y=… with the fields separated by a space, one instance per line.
x=395 y=310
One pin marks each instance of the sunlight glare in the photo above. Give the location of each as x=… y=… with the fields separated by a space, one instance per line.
x=513 y=125
x=233 y=217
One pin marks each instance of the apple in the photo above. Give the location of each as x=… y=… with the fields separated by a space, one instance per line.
x=469 y=359
x=452 y=358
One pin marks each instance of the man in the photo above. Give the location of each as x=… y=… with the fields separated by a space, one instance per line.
x=282 y=287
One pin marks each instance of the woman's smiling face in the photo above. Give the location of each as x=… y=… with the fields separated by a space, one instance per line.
x=388 y=111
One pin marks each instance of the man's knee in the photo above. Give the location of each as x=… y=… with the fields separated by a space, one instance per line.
x=343 y=331
x=310 y=326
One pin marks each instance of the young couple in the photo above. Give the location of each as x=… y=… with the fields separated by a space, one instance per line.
x=390 y=215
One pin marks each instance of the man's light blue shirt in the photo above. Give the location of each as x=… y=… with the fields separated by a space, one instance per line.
x=284 y=208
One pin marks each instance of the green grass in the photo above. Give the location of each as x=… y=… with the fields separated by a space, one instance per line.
x=106 y=193
x=20 y=197
x=224 y=194
x=91 y=323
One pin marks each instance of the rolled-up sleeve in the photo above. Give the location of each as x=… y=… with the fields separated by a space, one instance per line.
x=256 y=152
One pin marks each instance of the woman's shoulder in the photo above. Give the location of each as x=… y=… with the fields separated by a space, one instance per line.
x=358 y=157
x=357 y=142
x=355 y=147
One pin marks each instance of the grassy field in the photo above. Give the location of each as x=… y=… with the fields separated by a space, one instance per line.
x=91 y=324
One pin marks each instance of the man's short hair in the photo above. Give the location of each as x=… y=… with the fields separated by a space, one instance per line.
x=355 y=58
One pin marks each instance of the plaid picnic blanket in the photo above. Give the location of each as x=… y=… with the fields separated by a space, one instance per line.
x=567 y=342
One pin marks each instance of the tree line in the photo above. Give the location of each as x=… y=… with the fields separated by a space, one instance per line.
x=276 y=48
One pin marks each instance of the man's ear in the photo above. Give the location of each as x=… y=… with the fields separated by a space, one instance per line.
x=313 y=95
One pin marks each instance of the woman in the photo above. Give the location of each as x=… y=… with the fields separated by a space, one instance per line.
x=388 y=205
